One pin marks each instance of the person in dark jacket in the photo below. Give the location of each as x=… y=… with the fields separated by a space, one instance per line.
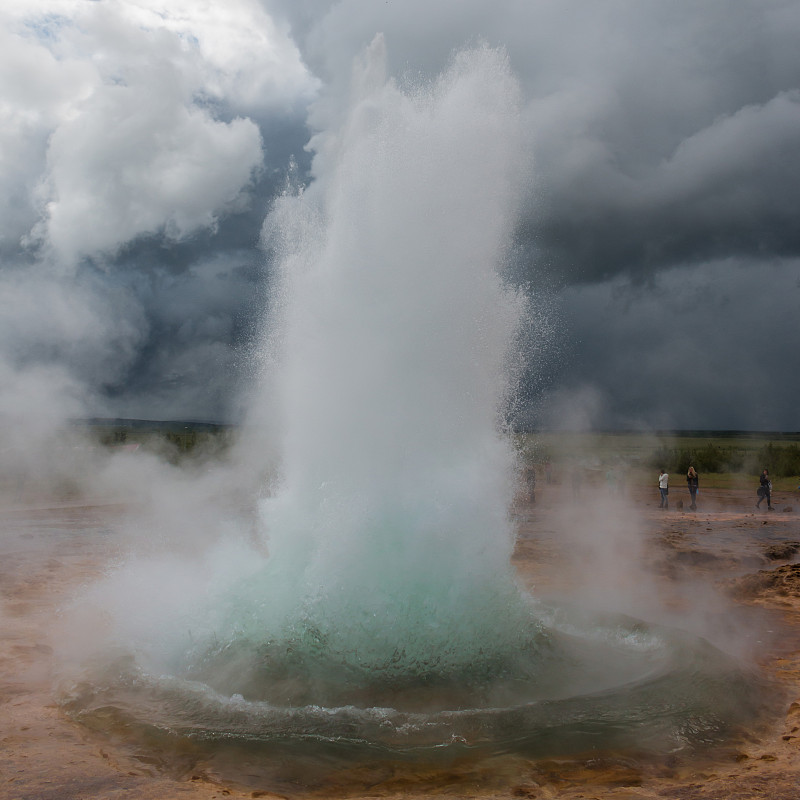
x=693 y=481
x=765 y=490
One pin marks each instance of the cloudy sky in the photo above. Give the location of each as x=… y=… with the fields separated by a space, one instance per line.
x=142 y=142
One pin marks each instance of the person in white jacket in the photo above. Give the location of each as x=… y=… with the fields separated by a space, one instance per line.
x=663 y=487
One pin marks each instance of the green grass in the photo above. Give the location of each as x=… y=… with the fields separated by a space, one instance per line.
x=638 y=456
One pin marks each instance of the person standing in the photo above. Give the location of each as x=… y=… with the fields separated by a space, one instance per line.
x=693 y=482
x=663 y=488
x=765 y=490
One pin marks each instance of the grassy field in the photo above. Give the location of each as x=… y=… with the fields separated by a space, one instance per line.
x=724 y=459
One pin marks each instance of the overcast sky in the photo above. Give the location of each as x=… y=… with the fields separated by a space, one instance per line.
x=141 y=142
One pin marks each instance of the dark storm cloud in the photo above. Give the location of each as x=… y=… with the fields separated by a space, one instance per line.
x=141 y=148
x=661 y=131
x=730 y=189
x=203 y=300
x=705 y=346
x=664 y=198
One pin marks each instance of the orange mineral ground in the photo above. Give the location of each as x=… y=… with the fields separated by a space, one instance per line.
x=728 y=572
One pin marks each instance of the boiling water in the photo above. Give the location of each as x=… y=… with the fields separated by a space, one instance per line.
x=385 y=616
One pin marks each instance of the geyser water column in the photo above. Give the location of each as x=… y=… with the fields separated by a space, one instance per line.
x=389 y=535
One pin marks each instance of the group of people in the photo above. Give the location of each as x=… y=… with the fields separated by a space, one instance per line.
x=693 y=482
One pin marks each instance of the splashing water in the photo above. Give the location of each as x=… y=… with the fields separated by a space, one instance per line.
x=389 y=538
x=387 y=613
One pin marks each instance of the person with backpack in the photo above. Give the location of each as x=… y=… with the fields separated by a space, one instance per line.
x=765 y=490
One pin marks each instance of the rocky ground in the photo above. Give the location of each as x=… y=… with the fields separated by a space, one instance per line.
x=728 y=571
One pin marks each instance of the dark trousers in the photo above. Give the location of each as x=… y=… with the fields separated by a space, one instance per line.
x=664 y=498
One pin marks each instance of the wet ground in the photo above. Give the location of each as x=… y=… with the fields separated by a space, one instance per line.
x=726 y=572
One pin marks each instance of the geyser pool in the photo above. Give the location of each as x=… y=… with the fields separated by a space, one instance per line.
x=385 y=616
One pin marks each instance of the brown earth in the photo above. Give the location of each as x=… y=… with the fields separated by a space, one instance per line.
x=727 y=559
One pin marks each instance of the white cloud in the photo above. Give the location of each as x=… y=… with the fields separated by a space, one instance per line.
x=246 y=57
x=137 y=160
x=36 y=93
x=130 y=118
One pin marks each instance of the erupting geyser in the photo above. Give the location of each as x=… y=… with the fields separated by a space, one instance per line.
x=389 y=535
x=385 y=612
